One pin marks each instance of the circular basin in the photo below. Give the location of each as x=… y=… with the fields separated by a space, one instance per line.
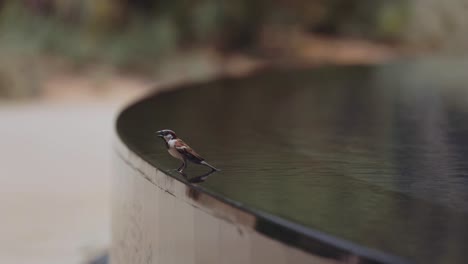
x=368 y=159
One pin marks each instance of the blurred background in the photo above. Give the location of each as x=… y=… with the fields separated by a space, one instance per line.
x=68 y=66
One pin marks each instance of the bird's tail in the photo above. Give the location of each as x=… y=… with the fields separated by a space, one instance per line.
x=208 y=165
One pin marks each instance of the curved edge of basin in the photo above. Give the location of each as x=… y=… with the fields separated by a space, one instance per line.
x=158 y=218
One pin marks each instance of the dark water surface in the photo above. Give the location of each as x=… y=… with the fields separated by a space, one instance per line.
x=374 y=155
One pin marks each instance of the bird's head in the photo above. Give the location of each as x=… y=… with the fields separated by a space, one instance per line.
x=166 y=134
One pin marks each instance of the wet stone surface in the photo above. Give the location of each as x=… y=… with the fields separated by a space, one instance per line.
x=373 y=155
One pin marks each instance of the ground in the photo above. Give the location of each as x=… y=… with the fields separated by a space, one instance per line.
x=56 y=169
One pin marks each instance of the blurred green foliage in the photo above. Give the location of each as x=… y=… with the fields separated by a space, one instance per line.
x=142 y=34
x=125 y=31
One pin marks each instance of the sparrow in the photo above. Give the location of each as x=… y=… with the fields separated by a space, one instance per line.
x=180 y=150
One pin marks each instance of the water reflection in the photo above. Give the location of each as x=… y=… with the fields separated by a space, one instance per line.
x=373 y=155
x=200 y=178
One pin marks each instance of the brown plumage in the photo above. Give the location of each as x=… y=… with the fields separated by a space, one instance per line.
x=187 y=151
x=180 y=150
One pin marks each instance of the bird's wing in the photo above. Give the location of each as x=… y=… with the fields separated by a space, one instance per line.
x=187 y=151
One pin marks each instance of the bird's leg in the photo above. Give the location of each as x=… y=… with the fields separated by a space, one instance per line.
x=181 y=166
x=184 y=166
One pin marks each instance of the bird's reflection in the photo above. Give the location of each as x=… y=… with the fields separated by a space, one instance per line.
x=199 y=178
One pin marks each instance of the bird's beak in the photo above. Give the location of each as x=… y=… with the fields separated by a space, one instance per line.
x=159 y=134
